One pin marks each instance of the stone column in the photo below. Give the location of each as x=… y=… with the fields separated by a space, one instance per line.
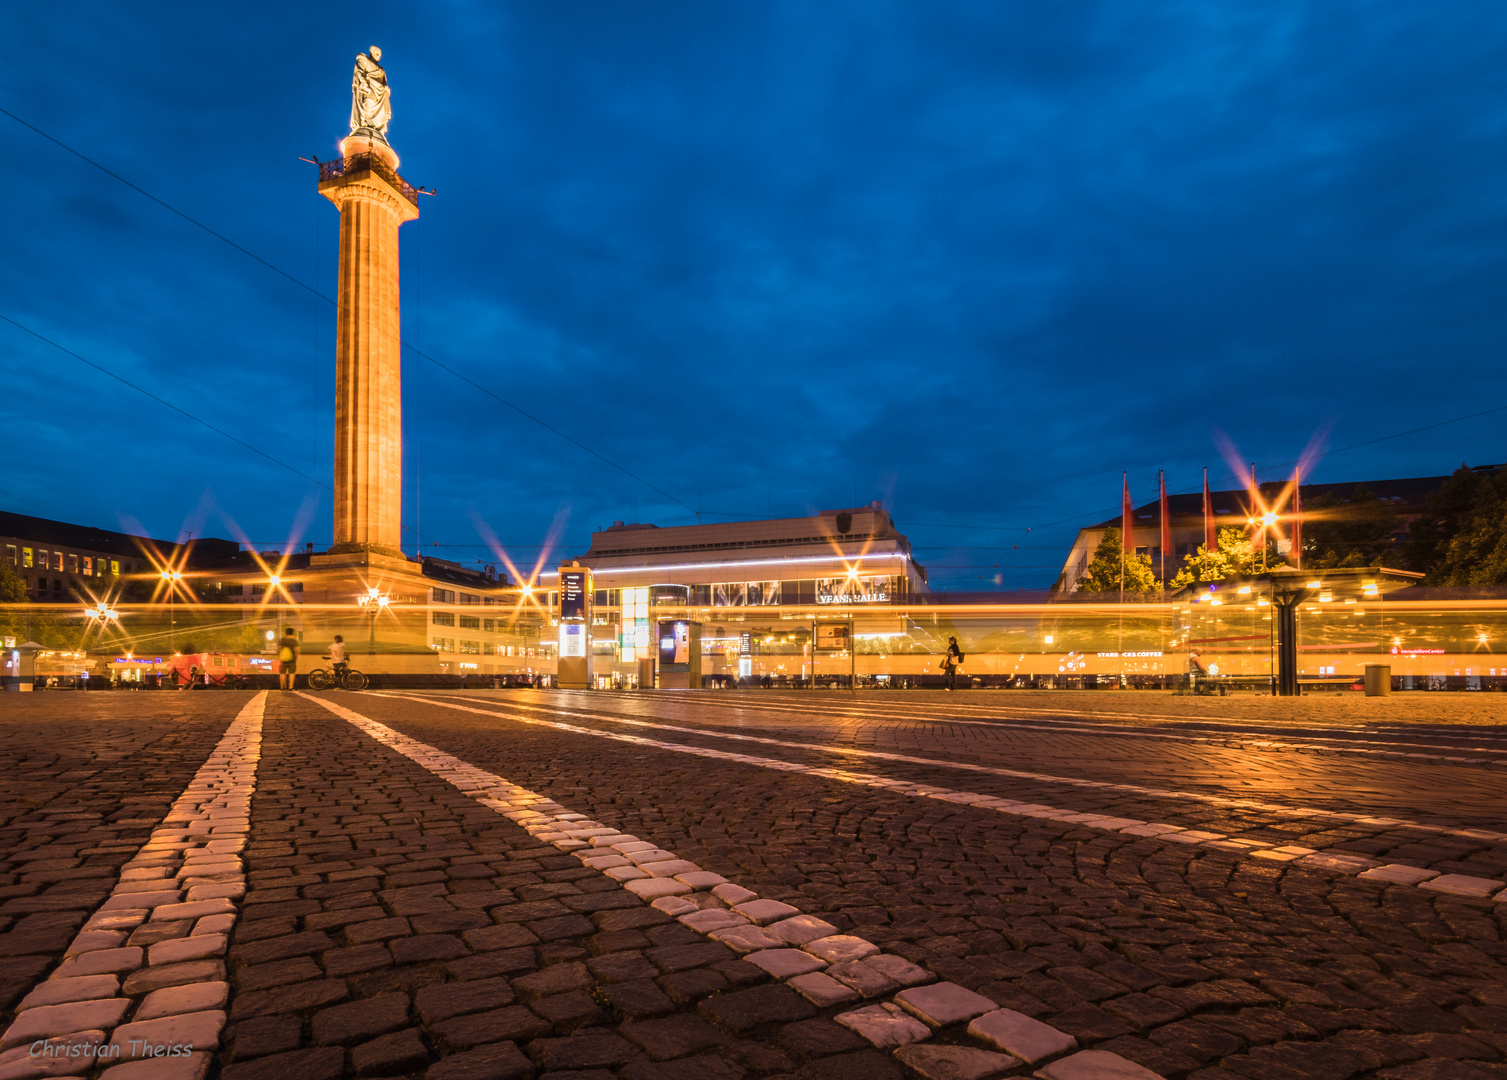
x=374 y=202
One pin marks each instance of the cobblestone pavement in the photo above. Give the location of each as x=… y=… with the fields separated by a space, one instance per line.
x=403 y=915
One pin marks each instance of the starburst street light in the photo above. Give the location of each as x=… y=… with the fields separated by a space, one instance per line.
x=374 y=601
x=172 y=577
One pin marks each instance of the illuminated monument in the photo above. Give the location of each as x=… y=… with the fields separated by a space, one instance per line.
x=374 y=202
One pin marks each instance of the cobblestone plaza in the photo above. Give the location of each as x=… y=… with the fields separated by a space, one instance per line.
x=731 y=885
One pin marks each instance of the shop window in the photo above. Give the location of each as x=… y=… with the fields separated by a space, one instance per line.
x=470 y=622
x=444 y=618
x=443 y=596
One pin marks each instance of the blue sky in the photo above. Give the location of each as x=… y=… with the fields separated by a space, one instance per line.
x=972 y=259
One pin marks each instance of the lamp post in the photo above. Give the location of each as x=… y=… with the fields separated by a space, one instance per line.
x=172 y=577
x=373 y=603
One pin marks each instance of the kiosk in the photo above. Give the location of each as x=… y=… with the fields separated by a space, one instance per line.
x=679 y=654
x=574 y=670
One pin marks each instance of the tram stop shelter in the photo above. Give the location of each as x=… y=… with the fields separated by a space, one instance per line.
x=1287 y=589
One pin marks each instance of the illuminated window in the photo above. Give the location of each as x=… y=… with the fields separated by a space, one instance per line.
x=26 y=557
x=43 y=563
x=114 y=567
x=444 y=618
x=10 y=553
x=469 y=598
x=489 y=625
x=470 y=622
x=57 y=561
x=89 y=565
x=470 y=648
x=72 y=564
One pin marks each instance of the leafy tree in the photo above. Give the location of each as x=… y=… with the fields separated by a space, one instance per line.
x=1234 y=555
x=12 y=588
x=1104 y=568
x=1462 y=538
x=1360 y=531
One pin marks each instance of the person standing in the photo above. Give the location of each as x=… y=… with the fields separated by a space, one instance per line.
x=337 y=659
x=287 y=658
x=951 y=662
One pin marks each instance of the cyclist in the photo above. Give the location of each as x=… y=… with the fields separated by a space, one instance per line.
x=338 y=661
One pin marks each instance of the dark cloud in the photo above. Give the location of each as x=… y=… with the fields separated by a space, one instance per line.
x=974 y=259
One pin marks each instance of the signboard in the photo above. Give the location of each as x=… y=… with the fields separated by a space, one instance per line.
x=572 y=639
x=833 y=635
x=852 y=590
x=745 y=643
x=675 y=642
x=573 y=595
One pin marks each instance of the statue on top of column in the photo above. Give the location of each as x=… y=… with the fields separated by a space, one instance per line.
x=371 y=100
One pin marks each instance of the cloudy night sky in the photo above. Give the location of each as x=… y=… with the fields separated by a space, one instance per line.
x=972 y=259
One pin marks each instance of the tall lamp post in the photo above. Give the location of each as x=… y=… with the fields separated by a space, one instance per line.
x=373 y=603
x=172 y=577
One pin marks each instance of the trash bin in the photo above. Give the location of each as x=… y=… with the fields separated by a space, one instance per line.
x=1378 y=680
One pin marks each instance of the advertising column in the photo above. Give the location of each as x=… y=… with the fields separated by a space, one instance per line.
x=575 y=628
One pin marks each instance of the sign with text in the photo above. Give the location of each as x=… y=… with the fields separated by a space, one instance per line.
x=575 y=586
x=834 y=635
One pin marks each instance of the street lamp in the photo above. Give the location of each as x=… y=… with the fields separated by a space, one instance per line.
x=373 y=603
x=172 y=577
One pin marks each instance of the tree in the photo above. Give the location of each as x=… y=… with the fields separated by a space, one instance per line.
x=1462 y=538
x=1233 y=555
x=1104 y=568
x=1359 y=531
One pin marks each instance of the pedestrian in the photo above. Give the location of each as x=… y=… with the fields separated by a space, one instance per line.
x=951 y=662
x=287 y=658
x=337 y=659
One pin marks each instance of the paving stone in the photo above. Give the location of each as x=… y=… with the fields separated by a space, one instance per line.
x=265 y=1035
x=444 y=1000
x=761 y=912
x=671 y=958
x=637 y=999
x=899 y=970
x=46 y=1021
x=194 y=1066
x=674 y=1037
x=943 y=1003
x=1014 y=1033
x=652 y=888
x=1462 y=885
x=800 y=929
x=1095 y=1065
x=285 y=999
x=499 y=1061
x=954 y=1062
x=746 y=939
x=317 y=1063
x=57 y=991
x=712 y=919
x=743 y=1010
x=733 y=894
x=885 y=1025
x=863 y=978
x=200 y=1030
x=840 y=948
x=568 y=1012
x=585 y=1051
x=1398 y=874
x=516 y=1024
x=785 y=963
x=863 y=1065
x=178 y=950
x=822 y=990
x=424 y=948
x=195 y=997
x=688 y=987
x=391 y=1054
x=101 y=962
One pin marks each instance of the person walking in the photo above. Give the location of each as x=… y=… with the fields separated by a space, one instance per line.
x=951 y=662
x=287 y=658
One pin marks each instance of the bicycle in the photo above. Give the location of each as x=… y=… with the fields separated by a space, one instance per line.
x=349 y=679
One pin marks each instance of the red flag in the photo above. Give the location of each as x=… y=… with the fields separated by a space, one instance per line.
x=1127 y=520
x=1297 y=519
x=1161 y=483
x=1211 y=537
